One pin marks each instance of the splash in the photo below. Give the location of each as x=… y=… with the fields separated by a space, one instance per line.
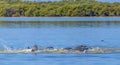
x=3 y=43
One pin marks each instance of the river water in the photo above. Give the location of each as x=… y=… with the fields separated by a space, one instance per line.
x=60 y=34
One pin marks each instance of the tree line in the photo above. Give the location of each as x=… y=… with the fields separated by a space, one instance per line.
x=72 y=8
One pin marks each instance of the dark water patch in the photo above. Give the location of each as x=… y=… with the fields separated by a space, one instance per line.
x=58 y=59
x=39 y=24
x=102 y=56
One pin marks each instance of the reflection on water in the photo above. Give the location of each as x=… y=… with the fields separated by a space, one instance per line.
x=38 y=24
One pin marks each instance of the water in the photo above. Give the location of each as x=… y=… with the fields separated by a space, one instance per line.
x=2 y=42
x=27 y=19
x=20 y=35
x=58 y=59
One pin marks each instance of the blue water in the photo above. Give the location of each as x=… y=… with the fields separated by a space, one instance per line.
x=22 y=35
x=59 y=59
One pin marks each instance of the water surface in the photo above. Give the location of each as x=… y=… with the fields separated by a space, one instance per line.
x=59 y=34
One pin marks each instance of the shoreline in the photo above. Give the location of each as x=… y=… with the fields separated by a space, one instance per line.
x=59 y=19
x=63 y=17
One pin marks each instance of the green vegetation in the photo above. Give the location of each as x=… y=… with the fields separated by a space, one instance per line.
x=18 y=8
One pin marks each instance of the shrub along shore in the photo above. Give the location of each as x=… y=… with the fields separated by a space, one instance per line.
x=70 y=8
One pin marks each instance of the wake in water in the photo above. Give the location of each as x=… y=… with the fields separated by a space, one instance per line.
x=81 y=49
